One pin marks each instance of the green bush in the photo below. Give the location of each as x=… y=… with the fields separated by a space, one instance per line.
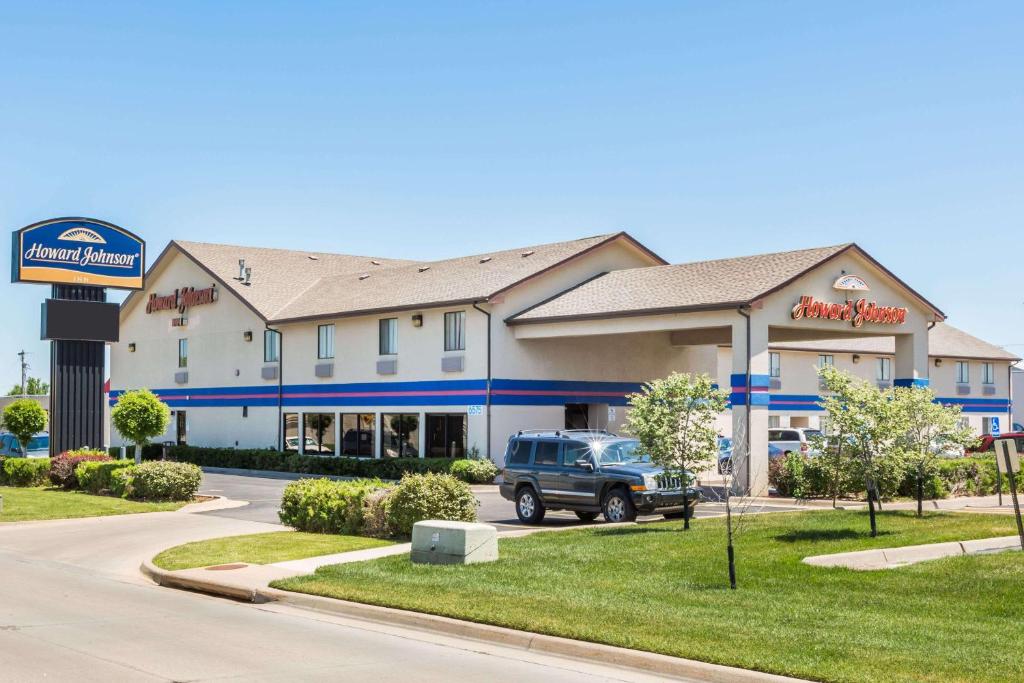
x=25 y=471
x=24 y=418
x=150 y=451
x=428 y=496
x=375 y=514
x=62 y=467
x=326 y=506
x=474 y=471
x=95 y=477
x=160 y=481
x=786 y=474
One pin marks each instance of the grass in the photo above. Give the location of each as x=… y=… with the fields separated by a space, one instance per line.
x=25 y=504
x=266 y=548
x=652 y=587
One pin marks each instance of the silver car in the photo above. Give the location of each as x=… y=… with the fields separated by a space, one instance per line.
x=794 y=439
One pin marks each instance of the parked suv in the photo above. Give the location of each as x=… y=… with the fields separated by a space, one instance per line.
x=589 y=472
x=793 y=439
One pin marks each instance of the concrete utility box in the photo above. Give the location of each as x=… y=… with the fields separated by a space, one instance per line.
x=444 y=542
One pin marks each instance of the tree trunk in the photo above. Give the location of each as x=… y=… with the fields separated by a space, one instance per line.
x=732 y=567
x=920 y=492
x=871 y=508
x=138 y=454
x=835 y=476
x=686 y=508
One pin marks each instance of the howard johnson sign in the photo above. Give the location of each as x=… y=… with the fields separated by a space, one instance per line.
x=78 y=251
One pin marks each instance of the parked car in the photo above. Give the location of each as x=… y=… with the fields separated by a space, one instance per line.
x=986 y=444
x=590 y=472
x=38 y=446
x=725 y=455
x=794 y=439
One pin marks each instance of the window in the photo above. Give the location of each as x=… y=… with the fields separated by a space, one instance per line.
x=963 y=372
x=389 y=336
x=988 y=373
x=518 y=452
x=774 y=364
x=318 y=434
x=547 y=453
x=325 y=341
x=446 y=436
x=774 y=421
x=883 y=372
x=183 y=353
x=825 y=360
x=986 y=425
x=574 y=451
x=400 y=435
x=291 y=432
x=455 y=331
x=271 y=346
x=358 y=433
x=965 y=422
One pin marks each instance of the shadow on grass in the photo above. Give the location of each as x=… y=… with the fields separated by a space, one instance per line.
x=815 y=535
x=639 y=529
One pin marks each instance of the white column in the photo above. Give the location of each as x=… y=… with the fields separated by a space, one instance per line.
x=911 y=359
x=423 y=435
x=750 y=408
x=378 y=433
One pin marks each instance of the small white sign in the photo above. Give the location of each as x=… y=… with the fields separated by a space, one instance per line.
x=474 y=410
x=1006 y=447
x=611 y=413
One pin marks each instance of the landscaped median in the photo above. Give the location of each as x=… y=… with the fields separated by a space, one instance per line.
x=26 y=504
x=267 y=548
x=652 y=587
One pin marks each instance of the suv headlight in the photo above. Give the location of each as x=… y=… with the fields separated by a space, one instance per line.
x=651 y=482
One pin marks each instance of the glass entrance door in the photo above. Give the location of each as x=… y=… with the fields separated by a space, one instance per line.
x=182 y=428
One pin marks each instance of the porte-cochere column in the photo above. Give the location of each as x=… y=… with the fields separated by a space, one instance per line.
x=750 y=407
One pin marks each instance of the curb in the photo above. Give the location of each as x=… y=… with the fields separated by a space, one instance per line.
x=648 y=662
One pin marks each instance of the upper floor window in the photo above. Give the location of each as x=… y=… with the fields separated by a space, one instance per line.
x=988 y=373
x=388 y=336
x=883 y=372
x=325 y=341
x=774 y=364
x=963 y=372
x=455 y=331
x=826 y=360
x=271 y=346
x=183 y=353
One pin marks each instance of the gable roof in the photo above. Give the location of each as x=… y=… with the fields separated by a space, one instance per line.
x=702 y=285
x=944 y=341
x=289 y=286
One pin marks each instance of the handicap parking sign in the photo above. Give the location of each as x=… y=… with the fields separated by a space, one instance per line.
x=995 y=426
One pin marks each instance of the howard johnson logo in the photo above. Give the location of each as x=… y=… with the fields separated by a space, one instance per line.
x=78 y=251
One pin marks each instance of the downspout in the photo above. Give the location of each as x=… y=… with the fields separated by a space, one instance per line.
x=488 y=394
x=742 y=311
x=280 y=386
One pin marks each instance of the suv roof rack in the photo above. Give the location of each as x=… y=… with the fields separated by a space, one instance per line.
x=564 y=433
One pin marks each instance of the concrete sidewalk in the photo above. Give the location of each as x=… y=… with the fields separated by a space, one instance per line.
x=891 y=558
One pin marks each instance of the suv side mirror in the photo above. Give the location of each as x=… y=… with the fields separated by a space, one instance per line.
x=584 y=463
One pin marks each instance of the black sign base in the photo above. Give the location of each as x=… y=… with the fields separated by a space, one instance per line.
x=76 y=383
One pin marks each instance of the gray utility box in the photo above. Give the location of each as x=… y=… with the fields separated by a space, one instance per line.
x=444 y=542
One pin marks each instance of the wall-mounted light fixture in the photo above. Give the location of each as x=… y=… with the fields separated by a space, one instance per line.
x=856 y=358
x=131 y=347
x=938 y=362
x=247 y=335
x=417 y=320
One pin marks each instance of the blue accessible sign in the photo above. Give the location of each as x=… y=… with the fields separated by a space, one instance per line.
x=78 y=251
x=995 y=426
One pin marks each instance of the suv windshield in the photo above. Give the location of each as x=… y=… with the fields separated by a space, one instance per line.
x=618 y=452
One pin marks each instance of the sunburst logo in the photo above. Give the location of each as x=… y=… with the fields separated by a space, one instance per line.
x=81 y=234
x=851 y=283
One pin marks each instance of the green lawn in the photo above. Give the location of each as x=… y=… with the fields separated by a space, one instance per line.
x=276 y=546
x=24 y=504
x=655 y=588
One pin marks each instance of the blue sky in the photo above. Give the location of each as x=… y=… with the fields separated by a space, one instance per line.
x=424 y=130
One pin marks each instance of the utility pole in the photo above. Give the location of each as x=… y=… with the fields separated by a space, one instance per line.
x=24 y=369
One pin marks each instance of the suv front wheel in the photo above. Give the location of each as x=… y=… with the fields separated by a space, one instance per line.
x=528 y=506
x=618 y=507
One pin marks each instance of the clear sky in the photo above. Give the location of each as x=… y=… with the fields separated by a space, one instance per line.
x=429 y=129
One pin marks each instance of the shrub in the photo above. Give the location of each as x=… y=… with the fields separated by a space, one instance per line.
x=62 y=467
x=95 y=477
x=326 y=506
x=150 y=451
x=474 y=471
x=786 y=474
x=24 y=418
x=428 y=496
x=375 y=514
x=26 y=471
x=138 y=416
x=160 y=481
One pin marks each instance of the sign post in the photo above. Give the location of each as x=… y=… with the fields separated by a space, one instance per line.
x=79 y=258
x=1008 y=461
x=999 y=474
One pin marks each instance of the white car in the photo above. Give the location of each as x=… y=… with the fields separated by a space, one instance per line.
x=794 y=439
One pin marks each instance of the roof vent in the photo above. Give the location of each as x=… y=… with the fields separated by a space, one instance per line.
x=312 y=258
x=247 y=276
x=527 y=253
x=364 y=276
x=485 y=259
x=423 y=268
x=376 y=263
x=241 y=269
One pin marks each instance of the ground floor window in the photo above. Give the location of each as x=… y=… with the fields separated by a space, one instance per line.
x=358 y=431
x=774 y=422
x=577 y=416
x=318 y=437
x=291 y=432
x=400 y=435
x=446 y=436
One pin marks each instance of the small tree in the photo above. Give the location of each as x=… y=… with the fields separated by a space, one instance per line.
x=24 y=418
x=930 y=429
x=138 y=416
x=674 y=420
x=33 y=387
x=872 y=424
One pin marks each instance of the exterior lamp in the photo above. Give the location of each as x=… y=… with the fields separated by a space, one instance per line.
x=247 y=335
x=938 y=362
x=417 y=320
x=131 y=347
x=856 y=358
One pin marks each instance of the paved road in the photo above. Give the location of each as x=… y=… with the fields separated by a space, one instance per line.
x=264 y=494
x=74 y=607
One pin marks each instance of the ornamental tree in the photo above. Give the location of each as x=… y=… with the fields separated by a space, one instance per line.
x=138 y=416
x=931 y=428
x=674 y=420
x=24 y=418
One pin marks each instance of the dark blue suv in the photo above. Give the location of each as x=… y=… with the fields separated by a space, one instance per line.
x=590 y=472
